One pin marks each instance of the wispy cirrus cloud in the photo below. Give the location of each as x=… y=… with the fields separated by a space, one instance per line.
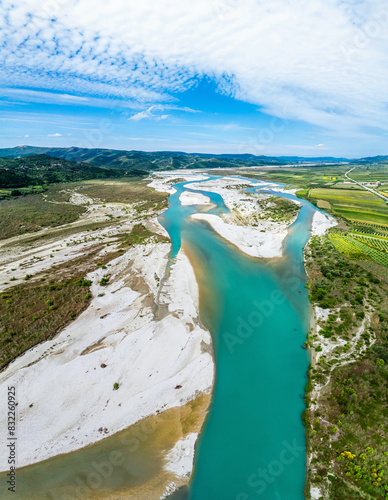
x=324 y=62
x=155 y=112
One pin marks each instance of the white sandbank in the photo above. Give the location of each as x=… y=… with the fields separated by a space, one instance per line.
x=161 y=181
x=65 y=393
x=180 y=458
x=322 y=223
x=250 y=240
x=189 y=198
x=257 y=238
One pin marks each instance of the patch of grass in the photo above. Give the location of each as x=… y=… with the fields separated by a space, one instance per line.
x=355 y=215
x=323 y=204
x=36 y=312
x=346 y=195
x=134 y=192
x=140 y=235
x=31 y=213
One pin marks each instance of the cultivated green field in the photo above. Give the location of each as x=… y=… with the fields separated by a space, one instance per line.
x=357 y=250
x=374 y=229
x=354 y=204
x=354 y=215
x=375 y=242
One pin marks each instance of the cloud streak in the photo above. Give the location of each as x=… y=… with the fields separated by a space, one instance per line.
x=150 y=113
x=324 y=62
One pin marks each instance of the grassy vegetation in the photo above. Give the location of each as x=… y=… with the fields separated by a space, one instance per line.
x=303 y=178
x=31 y=313
x=347 y=423
x=127 y=191
x=354 y=215
x=345 y=245
x=25 y=214
x=345 y=194
x=277 y=209
x=140 y=235
x=371 y=173
x=31 y=213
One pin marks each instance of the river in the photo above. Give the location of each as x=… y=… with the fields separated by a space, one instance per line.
x=253 y=443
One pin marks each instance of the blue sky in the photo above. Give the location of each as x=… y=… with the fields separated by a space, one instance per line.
x=287 y=77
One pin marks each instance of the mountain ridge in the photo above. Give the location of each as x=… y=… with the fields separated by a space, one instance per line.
x=170 y=160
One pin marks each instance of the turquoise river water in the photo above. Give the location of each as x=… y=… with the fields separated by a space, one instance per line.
x=252 y=446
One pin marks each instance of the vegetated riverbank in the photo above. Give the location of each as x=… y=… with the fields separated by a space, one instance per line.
x=346 y=418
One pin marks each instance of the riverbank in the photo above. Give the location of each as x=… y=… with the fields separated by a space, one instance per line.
x=343 y=419
x=137 y=350
x=115 y=341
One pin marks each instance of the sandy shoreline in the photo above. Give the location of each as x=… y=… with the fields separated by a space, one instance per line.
x=114 y=340
x=117 y=339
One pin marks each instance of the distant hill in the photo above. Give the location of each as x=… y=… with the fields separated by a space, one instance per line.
x=159 y=160
x=373 y=159
x=41 y=169
x=320 y=159
x=171 y=160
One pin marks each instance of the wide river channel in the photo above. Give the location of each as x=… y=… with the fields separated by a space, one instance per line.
x=252 y=446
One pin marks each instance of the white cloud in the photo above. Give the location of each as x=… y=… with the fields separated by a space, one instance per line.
x=321 y=61
x=26 y=136
x=54 y=135
x=151 y=112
